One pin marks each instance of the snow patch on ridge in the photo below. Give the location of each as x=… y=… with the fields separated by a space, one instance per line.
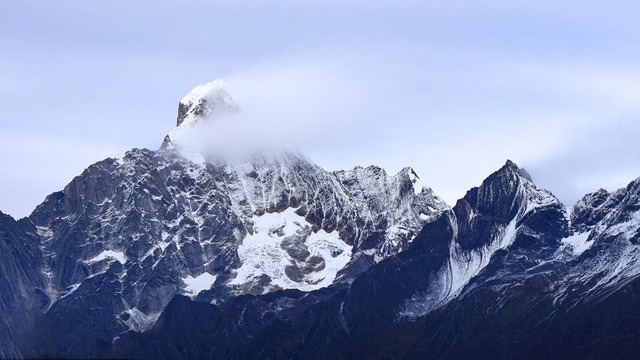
x=194 y=285
x=578 y=242
x=262 y=253
x=108 y=254
x=214 y=88
x=70 y=290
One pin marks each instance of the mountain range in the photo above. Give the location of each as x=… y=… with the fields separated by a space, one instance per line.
x=186 y=252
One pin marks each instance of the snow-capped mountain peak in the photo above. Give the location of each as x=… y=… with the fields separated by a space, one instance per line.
x=208 y=125
x=205 y=101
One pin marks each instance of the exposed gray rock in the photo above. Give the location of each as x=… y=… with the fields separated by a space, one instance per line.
x=127 y=235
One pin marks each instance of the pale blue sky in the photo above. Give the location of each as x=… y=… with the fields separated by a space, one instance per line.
x=451 y=88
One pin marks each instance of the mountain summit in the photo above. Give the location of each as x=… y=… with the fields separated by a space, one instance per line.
x=206 y=124
x=128 y=235
x=206 y=101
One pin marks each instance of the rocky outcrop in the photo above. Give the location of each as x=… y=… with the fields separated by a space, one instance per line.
x=22 y=281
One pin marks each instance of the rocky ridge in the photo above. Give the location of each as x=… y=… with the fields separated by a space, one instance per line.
x=127 y=235
x=507 y=273
x=181 y=253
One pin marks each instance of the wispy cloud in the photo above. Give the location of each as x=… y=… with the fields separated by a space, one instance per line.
x=454 y=116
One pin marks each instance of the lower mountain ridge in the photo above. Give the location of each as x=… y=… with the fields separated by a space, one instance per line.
x=183 y=253
x=509 y=272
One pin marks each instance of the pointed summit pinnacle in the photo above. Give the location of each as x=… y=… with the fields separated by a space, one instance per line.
x=201 y=103
x=205 y=101
x=511 y=164
x=520 y=171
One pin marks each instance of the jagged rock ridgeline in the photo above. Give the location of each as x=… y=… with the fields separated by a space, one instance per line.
x=180 y=254
x=127 y=235
x=509 y=272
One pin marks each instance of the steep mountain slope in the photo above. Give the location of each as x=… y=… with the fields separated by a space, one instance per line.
x=127 y=235
x=507 y=273
x=21 y=283
x=586 y=307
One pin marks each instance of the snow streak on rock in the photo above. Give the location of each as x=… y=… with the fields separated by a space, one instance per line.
x=507 y=188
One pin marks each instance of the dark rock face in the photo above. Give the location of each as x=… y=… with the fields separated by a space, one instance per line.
x=539 y=295
x=108 y=253
x=592 y=208
x=21 y=282
x=194 y=326
x=108 y=257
